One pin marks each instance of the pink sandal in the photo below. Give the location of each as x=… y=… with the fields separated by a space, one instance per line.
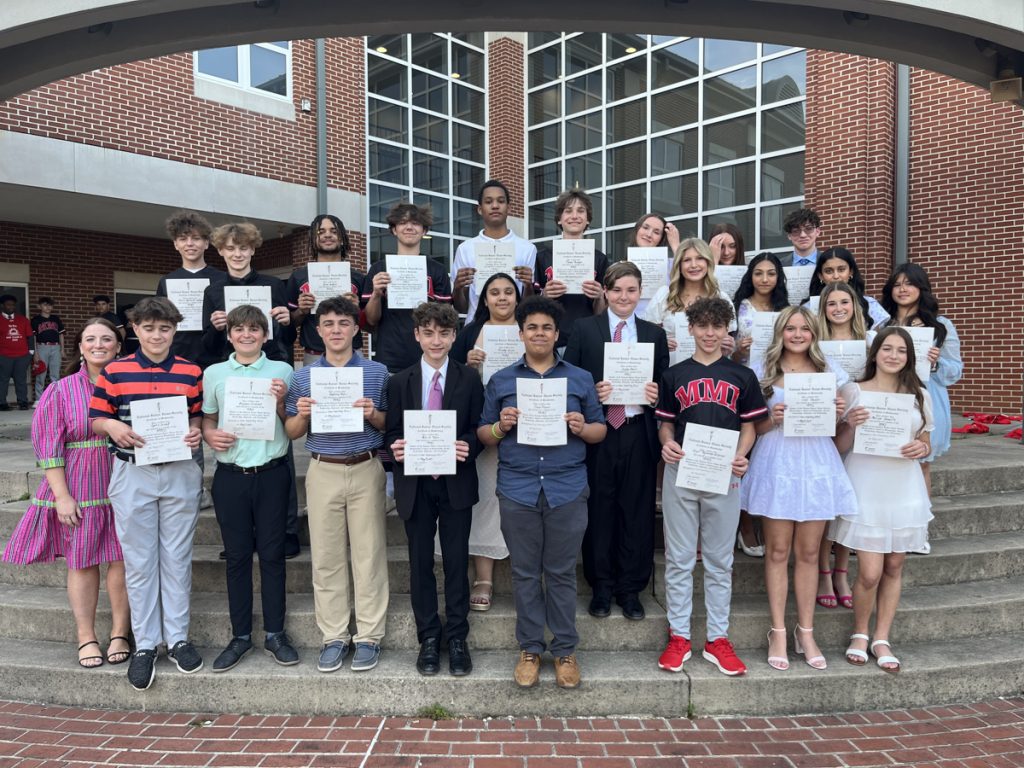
x=827 y=601
x=844 y=600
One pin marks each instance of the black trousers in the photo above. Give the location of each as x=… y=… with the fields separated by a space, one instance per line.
x=618 y=549
x=251 y=510
x=432 y=512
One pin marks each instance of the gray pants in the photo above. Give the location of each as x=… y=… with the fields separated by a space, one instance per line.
x=155 y=510
x=543 y=545
x=715 y=517
x=16 y=367
x=49 y=354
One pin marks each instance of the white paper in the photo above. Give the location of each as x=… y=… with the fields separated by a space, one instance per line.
x=628 y=367
x=572 y=262
x=408 y=286
x=429 y=442
x=762 y=331
x=187 y=297
x=851 y=356
x=328 y=279
x=798 y=283
x=888 y=426
x=814 y=304
x=163 y=423
x=492 y=258
x=651 y=263
x=542 y=406
x=810 y=405
x=502 y=348
x=729 y=277
x=334 y=390
x=249 y=411
x=255 y=295
x=708 y=453
x=924 y=340
x=686 y=345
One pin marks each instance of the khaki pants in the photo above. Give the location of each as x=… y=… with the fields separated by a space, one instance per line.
x=346 y=507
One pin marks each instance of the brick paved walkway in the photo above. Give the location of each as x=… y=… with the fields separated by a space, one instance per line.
x=988 y=734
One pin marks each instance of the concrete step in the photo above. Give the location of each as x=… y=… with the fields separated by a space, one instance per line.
x=986 y=465
x=613 y=684
x=926 y=613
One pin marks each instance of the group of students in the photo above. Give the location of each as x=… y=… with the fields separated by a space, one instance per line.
x=539 y=505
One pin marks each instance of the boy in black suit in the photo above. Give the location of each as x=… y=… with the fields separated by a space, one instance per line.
x=618 y=549
x=426 y=503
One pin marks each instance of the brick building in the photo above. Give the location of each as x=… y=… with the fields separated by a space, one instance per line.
x=704 y=131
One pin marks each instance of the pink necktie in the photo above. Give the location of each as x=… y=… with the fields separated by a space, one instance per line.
x=616 y=414
x=434 y=398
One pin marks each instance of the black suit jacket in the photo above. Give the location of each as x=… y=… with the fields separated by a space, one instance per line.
x=464 y=394
x=586 y=350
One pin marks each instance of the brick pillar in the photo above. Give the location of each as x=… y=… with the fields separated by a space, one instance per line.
x=506 y=122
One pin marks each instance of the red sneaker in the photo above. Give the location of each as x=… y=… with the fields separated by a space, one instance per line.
x=721 y=654
x=676 y=653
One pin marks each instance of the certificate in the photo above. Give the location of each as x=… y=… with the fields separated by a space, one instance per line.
x=542 y=406
x=628 y=367
x=429 y=442
x=328 y=279
x=572 y=262
x=924 y=339
x=408 y=286
x=814 y=304
x=851 y=356
x=810 y=405
x=888 y=426
x=502 y=347
x=707 y=458
x=798 y=282
x=729 y=277
x=163 y=423
x=187 y=297
x=762 y=332
x=652 y=263
x=255 y=295
x=686 y=345
x=248 y=411
x=492 y=258
x=334 y=390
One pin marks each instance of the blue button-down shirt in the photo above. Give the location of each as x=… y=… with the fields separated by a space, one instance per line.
x=805 y=261
x=526 y=470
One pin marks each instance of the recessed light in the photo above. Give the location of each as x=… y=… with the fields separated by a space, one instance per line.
x=631 y=49
x=381 y=49
x=456 y=75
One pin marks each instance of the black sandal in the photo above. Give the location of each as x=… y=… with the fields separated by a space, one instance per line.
x=119 y=657
x=81 y=660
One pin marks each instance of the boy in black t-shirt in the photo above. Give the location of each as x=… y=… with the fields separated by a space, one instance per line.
x=712 y=390
x=49 y=332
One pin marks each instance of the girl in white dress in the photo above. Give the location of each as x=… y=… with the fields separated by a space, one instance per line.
x=894 y=509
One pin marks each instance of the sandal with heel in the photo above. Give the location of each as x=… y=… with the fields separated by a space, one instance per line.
x=856 y=656
x=827 y=601
x=814 y=662
x=844 y=600
x=481 y=601
x=780 y=663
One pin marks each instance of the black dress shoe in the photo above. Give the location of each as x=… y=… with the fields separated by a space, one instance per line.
x=291 y=546
x=632 y=608
x=459 y=662
x=280 y=647
x=429 y=660
x=600 y=606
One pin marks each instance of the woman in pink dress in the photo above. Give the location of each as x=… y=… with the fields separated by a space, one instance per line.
x=70 y=515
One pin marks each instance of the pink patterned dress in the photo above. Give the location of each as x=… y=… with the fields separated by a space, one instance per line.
x=61 y=438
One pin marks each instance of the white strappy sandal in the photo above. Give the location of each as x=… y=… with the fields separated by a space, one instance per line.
x=856 y=656
x=780 y=663
x=881 y=661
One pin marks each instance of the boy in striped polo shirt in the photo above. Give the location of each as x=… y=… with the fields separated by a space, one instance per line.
x=155 y=506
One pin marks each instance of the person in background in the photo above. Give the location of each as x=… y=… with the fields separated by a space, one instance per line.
x=653 y=231
x=837 y=265
x=802 y=227
x=17 y=346
x=726 y=244
x=48 y=330
x=101 y=305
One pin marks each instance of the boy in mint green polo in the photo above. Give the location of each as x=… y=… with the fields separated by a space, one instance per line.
x=250 y=486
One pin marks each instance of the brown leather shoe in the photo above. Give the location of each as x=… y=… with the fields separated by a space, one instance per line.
x=527 y=671
x=567 y=672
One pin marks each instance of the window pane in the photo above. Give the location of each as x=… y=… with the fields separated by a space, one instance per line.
x=676 y=63
x=386 y=121
x=623 y=45
x=429 y=92
x=220 y=62
x=268 y=70
x=468 y=180
x=430 y=52
x=675 y=196
x=544 y=143
x=544 y=181
x=782 y=128
x=473 y=38
x=545 y=104
x=465 y=220
x=439 y=207
x=782 y=176
x=627 y=78
x=469 y=104
x=674 y=152
x=628 y=121
x=769 y=48
x=388 y=163
x=468 y=64
x=627 y=204
x=772 y=217
x=730 y=139
x=539 y=38
x=675 y=108
x=729 y=186
x=719 y=54
x=583 y=133
x=597 y=200
x=584 y=171
x=382 y=199
x=730 y=93
x=542 y=220
x=386 y=78
x=469 y=142
x=429 y=132
x=742 y=220
x=392 y=45
x=437 y=247
x=545 y=65
x=429 y=172
x=784 y=78
x=617 y=243
x=583 y=93
x=583 y=52
x=382 y=242
x=627 y=163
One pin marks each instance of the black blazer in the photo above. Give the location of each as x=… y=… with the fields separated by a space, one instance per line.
x=464 y=394
x=586 y=350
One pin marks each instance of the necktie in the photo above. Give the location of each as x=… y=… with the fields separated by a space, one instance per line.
x=434 y=398
x=801 y=262
x=616 y=415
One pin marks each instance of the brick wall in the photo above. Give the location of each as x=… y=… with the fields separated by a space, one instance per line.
x=505 y=116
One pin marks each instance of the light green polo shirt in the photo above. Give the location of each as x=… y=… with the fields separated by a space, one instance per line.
x=246 y=453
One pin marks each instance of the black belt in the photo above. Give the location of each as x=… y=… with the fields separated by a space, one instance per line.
x=253 y=470
x=130 y=459
x=355 y=458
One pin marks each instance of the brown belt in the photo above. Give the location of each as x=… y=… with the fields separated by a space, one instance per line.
x=355 y=458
